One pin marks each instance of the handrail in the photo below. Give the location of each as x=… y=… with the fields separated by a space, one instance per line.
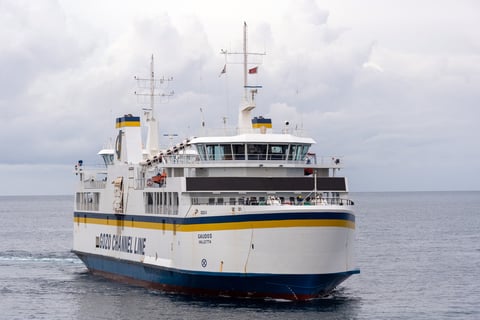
x=94 y=184
x=328 y=161
x=274 y=201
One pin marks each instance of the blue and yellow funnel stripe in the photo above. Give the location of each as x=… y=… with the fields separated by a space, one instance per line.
x=127 y=121
x=261 y=122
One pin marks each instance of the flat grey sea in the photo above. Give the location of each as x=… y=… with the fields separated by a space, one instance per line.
x=419 y=255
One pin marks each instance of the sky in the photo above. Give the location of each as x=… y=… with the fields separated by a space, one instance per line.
x=392 y=87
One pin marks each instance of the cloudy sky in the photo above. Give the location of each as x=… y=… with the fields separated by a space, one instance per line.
x=392 y=86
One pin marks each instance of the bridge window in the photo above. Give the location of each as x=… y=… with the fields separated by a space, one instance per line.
x=201 y=151
x=239 y=151
x=257 y=151
x=252 y=151
x=277 y=152
x=107 y=158
x=219 y=152
x=298 y=152
x=226 y=150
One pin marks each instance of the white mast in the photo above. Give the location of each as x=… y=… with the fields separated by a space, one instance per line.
x=152 y=146
x=152 y=136
x=244 y=116
x=245 y=61
x=248 y=103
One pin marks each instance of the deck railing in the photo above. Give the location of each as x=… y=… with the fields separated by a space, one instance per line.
x=323 y=161
x=94 y=184
x=272 y=201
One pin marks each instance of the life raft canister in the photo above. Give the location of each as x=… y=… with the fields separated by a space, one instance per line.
x=159 y=178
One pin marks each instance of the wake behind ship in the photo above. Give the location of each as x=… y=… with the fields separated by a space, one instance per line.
x=252 y=214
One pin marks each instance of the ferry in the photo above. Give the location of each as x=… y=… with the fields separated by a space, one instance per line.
x=250 y=214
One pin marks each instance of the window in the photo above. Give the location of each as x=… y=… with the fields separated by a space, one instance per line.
x=161 y=202
x=227 y=151
x=257 y=151
x=148 y=200
x=210 y=148
x=298 y=152
x=201 y=151
x=107 y=158
x=88 y=201
x=277 y=152
x=292 y=151
x=239 y=151
x=304 y=152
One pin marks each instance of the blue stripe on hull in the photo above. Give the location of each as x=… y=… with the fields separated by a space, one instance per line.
x=277 y=286
x=219 y=219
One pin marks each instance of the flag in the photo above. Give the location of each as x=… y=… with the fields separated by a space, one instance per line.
x=253 y=70
x=224 y=70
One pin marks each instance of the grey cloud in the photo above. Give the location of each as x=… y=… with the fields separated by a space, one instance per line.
x=64 y=80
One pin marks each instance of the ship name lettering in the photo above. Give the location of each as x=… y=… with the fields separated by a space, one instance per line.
x=128 y=244
x=140 y=246
x=105 y=241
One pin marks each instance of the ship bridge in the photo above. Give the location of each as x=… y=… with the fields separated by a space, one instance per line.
x=277 y=147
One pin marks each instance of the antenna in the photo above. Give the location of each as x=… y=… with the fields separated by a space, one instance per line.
x=170 y=137
x=245 y=57
x=245 y=62
x=203 y=118
x=148 y=87
x=224 y=119
x=248 y=103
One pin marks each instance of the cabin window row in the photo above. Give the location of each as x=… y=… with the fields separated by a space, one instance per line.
x=161 y=202
x=252 y=151
x=87 y=201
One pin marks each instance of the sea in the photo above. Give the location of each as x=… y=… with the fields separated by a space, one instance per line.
x=418 y=252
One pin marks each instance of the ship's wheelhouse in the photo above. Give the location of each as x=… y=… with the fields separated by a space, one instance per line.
x=252 y=149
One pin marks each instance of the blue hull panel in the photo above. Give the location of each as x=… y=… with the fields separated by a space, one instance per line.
x=276 y=286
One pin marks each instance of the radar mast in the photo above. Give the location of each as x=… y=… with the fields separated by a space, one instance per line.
x=248 y=102
x=147 y=89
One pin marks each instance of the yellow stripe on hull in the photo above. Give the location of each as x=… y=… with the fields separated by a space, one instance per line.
x=220 y=226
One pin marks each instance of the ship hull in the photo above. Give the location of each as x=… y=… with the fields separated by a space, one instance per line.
x=292 y=255
x=263 y=286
